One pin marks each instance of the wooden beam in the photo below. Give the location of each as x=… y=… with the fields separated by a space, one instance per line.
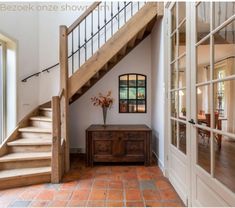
x=64 y=102
x=112 y=47
x=82 y=17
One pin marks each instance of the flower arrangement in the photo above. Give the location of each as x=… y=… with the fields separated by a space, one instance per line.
x=103 y=101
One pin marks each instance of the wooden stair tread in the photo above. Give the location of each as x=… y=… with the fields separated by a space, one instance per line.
x=46 y=109
x=25 y=156
x=35 y=129
x=30 y=141
x=22 y=172
x=41 y=118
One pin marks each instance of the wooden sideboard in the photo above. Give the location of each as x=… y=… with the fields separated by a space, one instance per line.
x=118 y=143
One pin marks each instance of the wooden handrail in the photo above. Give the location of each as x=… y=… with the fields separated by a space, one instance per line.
x=82 y=17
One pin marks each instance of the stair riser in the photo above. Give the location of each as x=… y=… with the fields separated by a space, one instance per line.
x=46 y=113
x=25 y=181
x=35 y=135
x=42 y=124
x=25 y=164
x=29 y=148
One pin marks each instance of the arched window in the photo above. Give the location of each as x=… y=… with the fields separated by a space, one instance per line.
x=132 y=93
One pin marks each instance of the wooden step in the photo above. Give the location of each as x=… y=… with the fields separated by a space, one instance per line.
x=46 y=109
x=33 y=129
x=24 y=176
x=45 y=112
x=25 y=156
x=30 y=141
x=41 y=118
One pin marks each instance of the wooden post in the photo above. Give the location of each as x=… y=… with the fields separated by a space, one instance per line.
x=64 y=86
x=56 y=141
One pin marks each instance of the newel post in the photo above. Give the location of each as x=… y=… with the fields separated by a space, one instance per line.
x=56 y=141
x=64 y=86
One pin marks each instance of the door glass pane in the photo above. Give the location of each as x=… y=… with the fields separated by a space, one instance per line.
x=173 y=18
x=203 y=62
x=224 y=51
x=174 y=132
x=182 y=39
x=182 y=104
x=174 y=104
x=224 y=102
x=181 y=11
x=182 y=72
x=173 y=76
x=141 y=93
x=222 y=12
x=173 y=47
x=224 y=148
x=203 y=105
x=203 y=20
x=141 y=81
x=182 y=137
x=132 y=93
x=203 y=149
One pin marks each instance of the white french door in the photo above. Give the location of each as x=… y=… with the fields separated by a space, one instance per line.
x=201 y=92
x=178 y=102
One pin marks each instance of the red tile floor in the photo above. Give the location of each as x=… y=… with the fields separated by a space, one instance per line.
x=106 y=185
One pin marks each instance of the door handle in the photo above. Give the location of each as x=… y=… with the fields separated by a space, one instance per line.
x=192 y=121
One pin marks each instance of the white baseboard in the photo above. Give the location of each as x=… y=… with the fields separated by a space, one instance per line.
x=160 y=164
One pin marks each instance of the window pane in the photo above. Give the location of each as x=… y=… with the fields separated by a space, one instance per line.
x=141 y=93
x=173 y=18
x=123 y=106
x=203 y=105
x=182 y=137
x=132 y=106
x=224 y=148
x=203 y=149
x=181 y=11
x=123 y=93
x=174 y=104
x=132 y=93
x=132 y=80
x=203 y=20
x=222 y=12
x=224 y=102
x=182 y=104
x=173 y=76
x=173 y=47
x=141 y=106
x=182 y=72
x=203 y=62
x=174 y=133
x=123 y=81
x=182 y=39
x=141 y=81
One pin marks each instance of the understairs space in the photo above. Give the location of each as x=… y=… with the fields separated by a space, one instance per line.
x=132 y=185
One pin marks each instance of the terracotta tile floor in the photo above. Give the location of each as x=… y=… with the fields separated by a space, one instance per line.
x=106 y=185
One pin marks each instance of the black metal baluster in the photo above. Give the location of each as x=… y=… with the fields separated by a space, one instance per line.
x=92 y=33
x=138 y=5
x=105 y=21
x=118 y=16
x=72 y=54
x=98 y=26
x=125 y=11
x=79 y=47
x=132 y=8
x=85 y=45
x=112 y=18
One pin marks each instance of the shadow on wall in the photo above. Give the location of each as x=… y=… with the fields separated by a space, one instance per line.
x=155 y=144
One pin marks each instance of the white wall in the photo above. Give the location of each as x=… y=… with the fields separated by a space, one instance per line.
x=158 y=91
x=22 y=27
x=83 y=113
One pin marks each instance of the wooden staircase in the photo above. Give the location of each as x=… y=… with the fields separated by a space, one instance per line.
x=26 y=155
x=38 y=149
